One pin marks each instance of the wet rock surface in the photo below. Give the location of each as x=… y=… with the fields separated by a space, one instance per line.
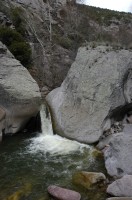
x=121 y=187
x=87 y=179
x=62 y=193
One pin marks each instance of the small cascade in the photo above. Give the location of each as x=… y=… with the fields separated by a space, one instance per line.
x=46 y=124
x=53 y=144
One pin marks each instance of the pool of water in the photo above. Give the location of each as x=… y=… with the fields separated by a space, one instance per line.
x=25 y=174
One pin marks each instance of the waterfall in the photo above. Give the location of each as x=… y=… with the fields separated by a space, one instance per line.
x=46 y=124
x=53 y=144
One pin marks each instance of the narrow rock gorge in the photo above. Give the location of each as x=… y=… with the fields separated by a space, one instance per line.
x=68 y=66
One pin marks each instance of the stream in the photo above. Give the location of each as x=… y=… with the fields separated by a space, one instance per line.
x=29 y=163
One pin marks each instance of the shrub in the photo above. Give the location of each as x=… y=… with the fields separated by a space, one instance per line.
x=18 y=21
x=22 y=51
x=16 y=44
x=65 y=42
x=8 y=36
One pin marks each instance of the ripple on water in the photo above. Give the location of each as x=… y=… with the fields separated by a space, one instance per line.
x=39 y=162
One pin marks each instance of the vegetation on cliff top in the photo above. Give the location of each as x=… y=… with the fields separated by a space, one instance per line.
x=104 y=16
x=15 y=39
x=86 y=23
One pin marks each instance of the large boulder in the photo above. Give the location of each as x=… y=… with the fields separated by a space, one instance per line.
x=20 y=97
x=118 y=155
x=96 y=84
x=121 y=187
x=62 y=193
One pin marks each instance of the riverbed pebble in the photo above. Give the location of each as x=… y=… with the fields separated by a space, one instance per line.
x=62 y=193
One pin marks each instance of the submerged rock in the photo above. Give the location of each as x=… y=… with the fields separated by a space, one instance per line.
x=87 y=179
x=21 y=193
x=63 y=194
x=121 y=187
x=97 y=154
x=93 y=88
x=20 y=97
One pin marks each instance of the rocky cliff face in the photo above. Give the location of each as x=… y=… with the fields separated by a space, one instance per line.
x=55 y=29
x=94 y=94
x=50 y=61
x=20 y=97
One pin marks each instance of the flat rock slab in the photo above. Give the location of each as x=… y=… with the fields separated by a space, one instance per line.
x=62 y=193
x=121 y=187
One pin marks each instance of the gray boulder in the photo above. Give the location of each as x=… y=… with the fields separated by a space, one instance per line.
x=121 y=187
x=20 y=97
x=118 y=156
x=62 y=193
x=92 y=89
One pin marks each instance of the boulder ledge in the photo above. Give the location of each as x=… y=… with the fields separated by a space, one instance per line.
x=20 y=97
x=98 y=83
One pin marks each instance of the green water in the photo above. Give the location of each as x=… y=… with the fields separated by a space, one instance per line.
x=26 y=176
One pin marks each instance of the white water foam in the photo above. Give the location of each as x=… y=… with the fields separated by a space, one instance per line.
x=54 y=144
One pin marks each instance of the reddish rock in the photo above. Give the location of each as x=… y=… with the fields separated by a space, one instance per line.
x=63 y=194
